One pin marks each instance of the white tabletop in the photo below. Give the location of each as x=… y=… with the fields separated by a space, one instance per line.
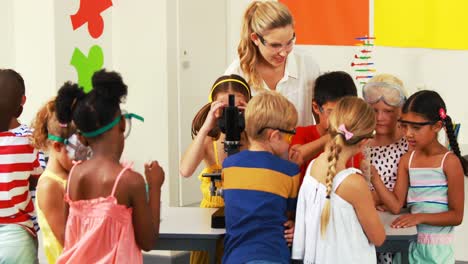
x=192 y=221
x=196 y=221
x=387 y=219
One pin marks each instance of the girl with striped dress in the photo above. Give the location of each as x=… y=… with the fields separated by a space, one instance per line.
x=430 y=180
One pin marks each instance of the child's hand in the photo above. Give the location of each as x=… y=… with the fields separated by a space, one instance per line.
x=242 y=105
x=407 y=220
x=381 y=208
x=154 y=174
x=213 y=115
x=289 y=232
x=295 y=155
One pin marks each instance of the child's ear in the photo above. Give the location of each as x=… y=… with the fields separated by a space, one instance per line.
x=23 y=100
x=274 y=135
x=315 y=107
x=122 y=124
x=438 y=126
x=57 y=146
x=82 y=139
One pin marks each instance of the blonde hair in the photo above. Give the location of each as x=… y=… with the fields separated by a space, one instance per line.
x=358 y=118
x=259 y=17
x=269 y=109
x=390 y=79
x=46 y=123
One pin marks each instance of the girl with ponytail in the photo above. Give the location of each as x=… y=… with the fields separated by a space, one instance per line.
x=267 y=60
x=62 y=145
x=335 y=203
x=108 y=202
x=430 y=180
x=207 y=145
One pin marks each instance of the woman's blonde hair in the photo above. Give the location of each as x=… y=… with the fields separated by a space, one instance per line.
x=269 y=109
x=46 y=123
x=259 y=17
x=354 y=115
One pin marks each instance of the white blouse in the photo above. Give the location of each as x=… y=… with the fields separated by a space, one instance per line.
x=344 y=240
x=296 y=85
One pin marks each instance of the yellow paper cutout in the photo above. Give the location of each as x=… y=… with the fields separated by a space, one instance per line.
x=421 y=23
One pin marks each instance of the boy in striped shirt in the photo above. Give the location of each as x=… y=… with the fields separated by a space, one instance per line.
x=19 y=165
x=261 y=184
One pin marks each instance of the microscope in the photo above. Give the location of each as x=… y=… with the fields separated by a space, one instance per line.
x=232 y=124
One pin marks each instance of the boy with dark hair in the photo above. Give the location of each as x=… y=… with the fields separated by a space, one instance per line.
x=19 y=164
x=310 y=140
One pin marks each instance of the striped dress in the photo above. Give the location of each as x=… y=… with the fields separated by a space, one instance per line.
x=427 y=194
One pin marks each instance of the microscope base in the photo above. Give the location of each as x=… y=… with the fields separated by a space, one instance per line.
x=217 y=219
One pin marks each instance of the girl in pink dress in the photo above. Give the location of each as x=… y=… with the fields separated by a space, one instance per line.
x=113 y=211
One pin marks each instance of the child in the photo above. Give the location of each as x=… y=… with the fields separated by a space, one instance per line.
x=19 y=164
x=335 y=203
x=430 y=180
x=112 y=215
x=311 y=140
x=386 y=94
x=59 y=142
x=260 y=184
x=24 y=130
x=208 y=141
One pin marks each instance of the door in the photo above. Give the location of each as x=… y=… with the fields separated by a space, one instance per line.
x=202 y=56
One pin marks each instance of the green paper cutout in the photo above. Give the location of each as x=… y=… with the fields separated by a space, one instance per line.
x=87 y=66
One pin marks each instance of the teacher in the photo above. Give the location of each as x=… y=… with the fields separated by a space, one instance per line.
x=268 y=60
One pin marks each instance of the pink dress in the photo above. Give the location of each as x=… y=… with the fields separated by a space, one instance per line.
x=99 y=231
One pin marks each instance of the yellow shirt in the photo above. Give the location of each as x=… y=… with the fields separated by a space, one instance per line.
x=52 y=246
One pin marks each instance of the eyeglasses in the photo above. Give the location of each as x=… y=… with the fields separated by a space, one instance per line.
x=128 y=127
x=75 y=149
x=277 y=47
x=414 y=126
x=288 y=133
x=390 y=94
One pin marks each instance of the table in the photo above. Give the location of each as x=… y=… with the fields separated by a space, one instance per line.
x=189 y=228
x=398 y=239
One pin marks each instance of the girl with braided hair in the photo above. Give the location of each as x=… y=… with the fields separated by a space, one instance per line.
x=335 y=203
x=430 y=180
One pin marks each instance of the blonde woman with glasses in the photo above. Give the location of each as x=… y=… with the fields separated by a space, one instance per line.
x=268 y=61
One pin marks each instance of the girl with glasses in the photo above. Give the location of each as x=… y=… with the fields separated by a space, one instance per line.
x=267 y=59
x=51 y=136
x=386 y=95
x=430 y=180
x=105 y=198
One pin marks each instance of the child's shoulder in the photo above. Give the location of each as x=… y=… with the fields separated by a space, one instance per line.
x=261 y=160
x=22 y=130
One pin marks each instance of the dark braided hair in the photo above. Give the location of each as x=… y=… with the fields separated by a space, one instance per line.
x=430 y=104
x=95 y=109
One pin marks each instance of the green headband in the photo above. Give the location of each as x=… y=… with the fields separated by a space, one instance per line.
x=58 y=139
x=109 y=126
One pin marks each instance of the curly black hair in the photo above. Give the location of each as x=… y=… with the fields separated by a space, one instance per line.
x=95 y=109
